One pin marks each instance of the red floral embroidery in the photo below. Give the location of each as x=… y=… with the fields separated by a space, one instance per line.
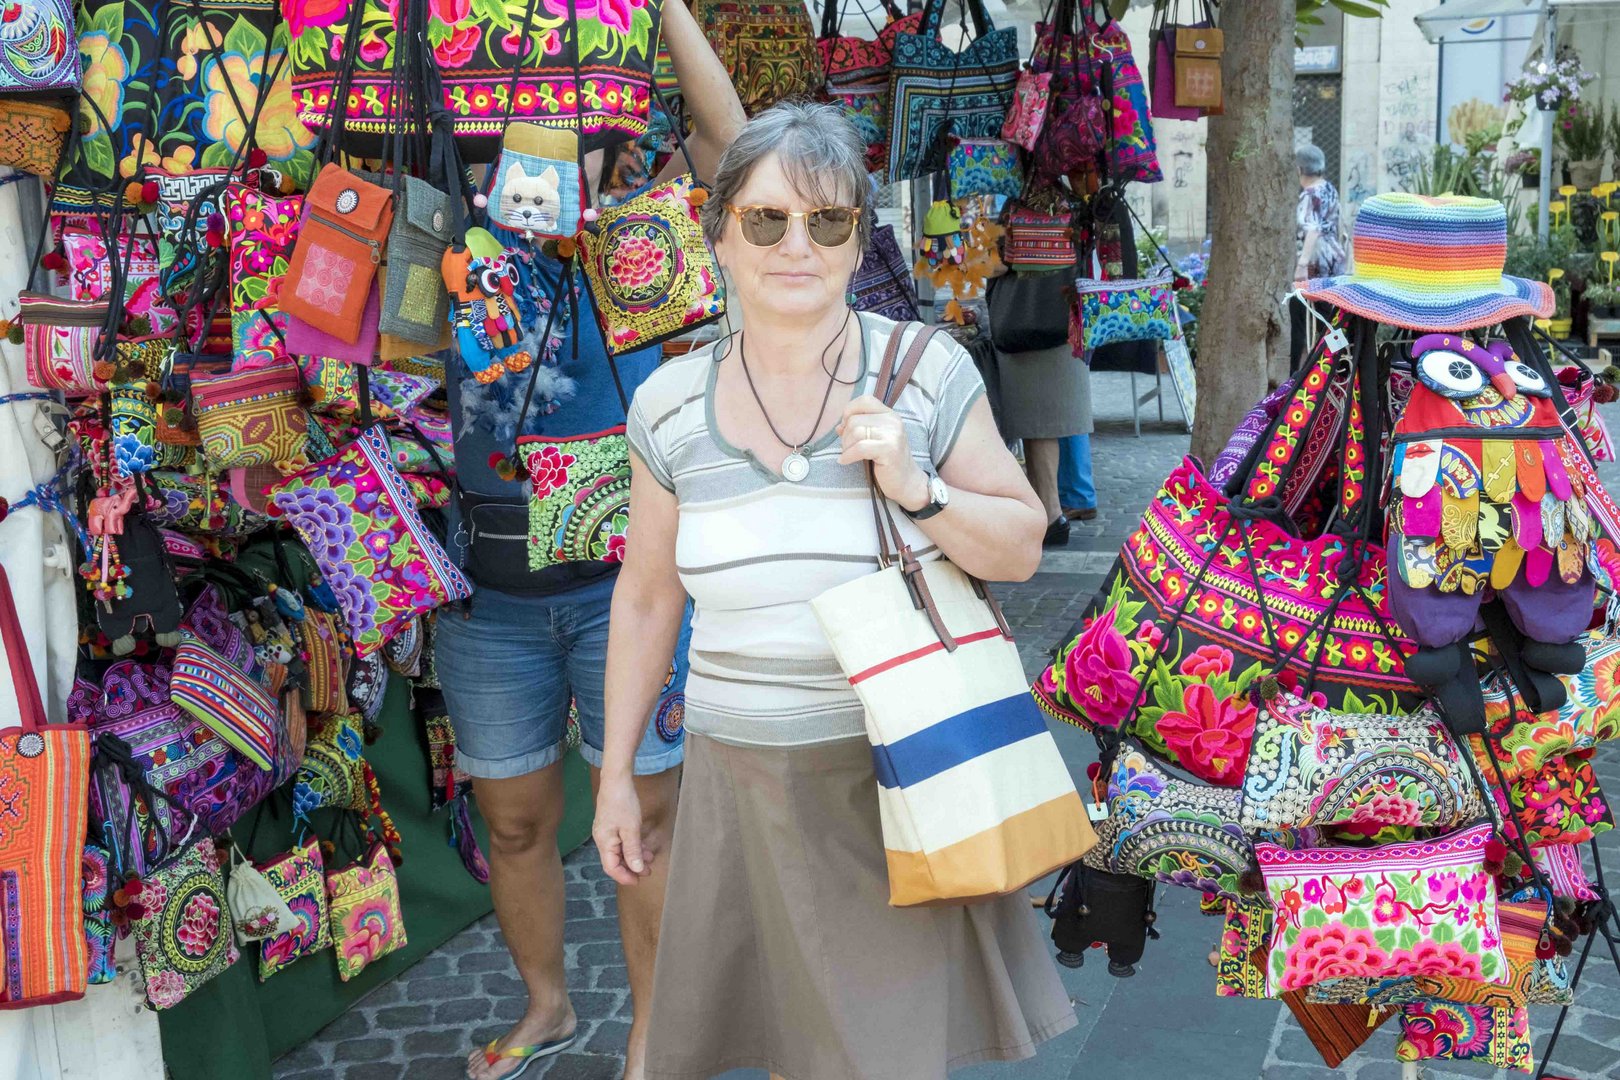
x=548 y=470
x=1210 y=737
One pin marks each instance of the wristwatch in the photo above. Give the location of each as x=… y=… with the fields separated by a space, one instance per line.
x=939 y=497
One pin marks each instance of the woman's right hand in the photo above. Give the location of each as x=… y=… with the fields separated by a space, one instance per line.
x=617 y=830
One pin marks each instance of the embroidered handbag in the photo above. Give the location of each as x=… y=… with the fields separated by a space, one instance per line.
x=1310 y=766
x=1169 y=829
x=578 y=67
x=883 y=283
x=324 y=665
x=333 y=773
x=1198 y=66
x=1499 y=1037
x=1075 y=128
x=60 y=339
x=650 y=272
x=858 y=61
x=934 y=664
x=33 y=135
x=579 y=497
x=363 y=906
x=261 y=231
x=99 y=932
x=361 y=524
x=867 y=107
x=1381 y=889
x=47 y=771
x=216 y=690
x=39 y=56
x=1036 y=240
x=250 y=416
x=345 y=224
x=1523 y=742
x=180 y=918
x=1559 y=803
x=1179 y=634
x=984 y=167
x=1139 y=309
x=934 y=89
x=767 y=47
x=1027 y=116
x=299 y=879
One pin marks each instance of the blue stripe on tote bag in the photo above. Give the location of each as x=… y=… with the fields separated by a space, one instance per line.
x=974 y=798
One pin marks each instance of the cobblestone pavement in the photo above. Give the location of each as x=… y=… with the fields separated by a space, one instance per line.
x=1154 y=1024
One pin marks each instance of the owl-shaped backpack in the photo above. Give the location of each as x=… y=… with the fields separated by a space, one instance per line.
x=1486 y=502
x=483 y=310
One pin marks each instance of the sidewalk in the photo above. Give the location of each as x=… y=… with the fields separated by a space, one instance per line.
x=1164 y=1021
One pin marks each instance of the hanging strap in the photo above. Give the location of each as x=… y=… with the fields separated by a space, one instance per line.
x=31 y=710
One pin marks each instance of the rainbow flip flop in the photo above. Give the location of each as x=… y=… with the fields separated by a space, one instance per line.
x=528 y=1055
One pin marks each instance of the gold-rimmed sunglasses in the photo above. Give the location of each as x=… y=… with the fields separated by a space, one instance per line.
x=765 y=226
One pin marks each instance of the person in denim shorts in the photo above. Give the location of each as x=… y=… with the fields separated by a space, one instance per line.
x=530 y=647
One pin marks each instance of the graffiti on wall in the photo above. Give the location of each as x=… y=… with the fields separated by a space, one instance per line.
x=1406 y=130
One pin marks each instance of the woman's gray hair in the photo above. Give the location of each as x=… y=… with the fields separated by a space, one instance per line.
x=1310 y=159
x=820 y=151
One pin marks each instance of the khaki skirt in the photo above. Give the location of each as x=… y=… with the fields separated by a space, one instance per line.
x=779 y=949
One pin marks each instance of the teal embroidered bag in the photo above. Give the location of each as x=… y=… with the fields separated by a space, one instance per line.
x=1126 y=309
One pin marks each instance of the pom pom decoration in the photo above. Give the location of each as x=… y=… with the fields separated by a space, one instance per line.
x=1251 y=882
x=150 y=193
x=14 y=333
x=132 y=192
x=53 y=260
x=1495 y=856
x=257 y=158
x=481 y=200
x=698 y=196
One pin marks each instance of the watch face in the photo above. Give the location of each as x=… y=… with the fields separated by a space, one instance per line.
x=937 y=491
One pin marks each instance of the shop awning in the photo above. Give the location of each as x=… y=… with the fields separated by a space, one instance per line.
x=1452 y=17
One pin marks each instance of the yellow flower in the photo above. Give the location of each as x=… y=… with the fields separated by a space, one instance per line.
x=194 y=41
x=105 y=69
x=142 y=153
x=279 y=133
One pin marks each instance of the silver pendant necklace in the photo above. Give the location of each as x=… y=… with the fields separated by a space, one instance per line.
x=796 y=466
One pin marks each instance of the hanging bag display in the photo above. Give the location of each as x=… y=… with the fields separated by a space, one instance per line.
x=363 y=906
x=1130 y=309
x=42 y=847
x=650 y=270
x=250 y=416
x=1075 y=131
x=182 y=925
x=935 y=90
x=340 y=243
x=1198 y=66
x=1166 y=59
x=767 y=47
x=930 y=655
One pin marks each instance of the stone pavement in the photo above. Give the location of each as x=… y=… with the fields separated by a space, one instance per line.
x=1164 y=1021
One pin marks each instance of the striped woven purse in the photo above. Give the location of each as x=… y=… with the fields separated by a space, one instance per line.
x=974 y=798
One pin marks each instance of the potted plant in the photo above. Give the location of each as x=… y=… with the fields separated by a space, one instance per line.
x=1582 y=133
x=1601 y=301
x=1560 y=324
x=1526 y=164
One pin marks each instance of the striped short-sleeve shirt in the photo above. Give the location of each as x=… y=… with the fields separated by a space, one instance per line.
x=754 y=549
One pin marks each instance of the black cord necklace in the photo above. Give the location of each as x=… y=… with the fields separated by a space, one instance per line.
x=796 y=466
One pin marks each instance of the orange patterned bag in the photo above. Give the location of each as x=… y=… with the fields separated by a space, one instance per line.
x=44 y=795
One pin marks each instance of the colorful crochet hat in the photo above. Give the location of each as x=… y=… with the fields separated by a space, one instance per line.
x=1432 y=263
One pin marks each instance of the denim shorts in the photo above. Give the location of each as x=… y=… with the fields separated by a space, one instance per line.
x=510 y=669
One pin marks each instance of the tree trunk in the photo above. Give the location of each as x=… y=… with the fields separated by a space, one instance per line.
x=1253 y=190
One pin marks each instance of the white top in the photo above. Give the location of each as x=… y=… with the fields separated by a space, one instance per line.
x=754 y=549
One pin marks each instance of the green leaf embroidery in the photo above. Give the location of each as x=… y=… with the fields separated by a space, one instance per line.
x=98 y=154
x=591 y=37
x=439 y=32
x=109 y=20
x=309 y=50
x=215 y=156
x=492 y=12
x=245 y=39
x=1357 y=916
x=640 y=31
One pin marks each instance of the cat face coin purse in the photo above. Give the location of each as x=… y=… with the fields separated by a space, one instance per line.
x=539 y=188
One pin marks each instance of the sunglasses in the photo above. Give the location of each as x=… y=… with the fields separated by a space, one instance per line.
x=765 y=226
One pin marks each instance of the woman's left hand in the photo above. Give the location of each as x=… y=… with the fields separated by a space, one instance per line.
x=871 y=431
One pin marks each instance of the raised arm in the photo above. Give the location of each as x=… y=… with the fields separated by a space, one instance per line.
x=717 y=113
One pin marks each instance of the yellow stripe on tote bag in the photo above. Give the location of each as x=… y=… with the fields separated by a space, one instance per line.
x=974 y=798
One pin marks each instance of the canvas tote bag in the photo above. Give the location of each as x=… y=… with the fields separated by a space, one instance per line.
x=974 y=797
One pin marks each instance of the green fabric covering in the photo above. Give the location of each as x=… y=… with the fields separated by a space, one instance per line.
x=236 y=1027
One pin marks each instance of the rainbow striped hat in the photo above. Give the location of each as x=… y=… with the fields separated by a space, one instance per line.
x=1432 y=263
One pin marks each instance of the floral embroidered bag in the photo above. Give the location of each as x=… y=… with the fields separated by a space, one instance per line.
x=60 y=341
x=261 y=230
x=1139 y=309
x=650 y=272
x=1559 y=803
x=984 y=167
x=1420 y=908
x=1027 y=117
x=767 y=46
x=1179 y=634
x=1309 y=766
x=181 y=922
x=933 y=89
x=363 y=906
x=579 y=497
x=1525 y=741
x=361 y=524
x=1498 y=1036
x=299 y=878
x=99 y=932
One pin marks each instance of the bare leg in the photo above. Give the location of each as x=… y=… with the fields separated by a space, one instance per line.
x=1041 y=465
x=526 y=882
x=641 y=906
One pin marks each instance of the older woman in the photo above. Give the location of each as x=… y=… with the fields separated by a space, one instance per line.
x=779 y=949
x=1318 y=245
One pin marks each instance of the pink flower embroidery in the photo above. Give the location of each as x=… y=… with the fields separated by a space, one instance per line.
x=1331 y=952
x=1150 y=634
x=1386 y=909
x=199 y=925
x=1437 y=958
x=165 y=989
x=548 y=470
x=1097 y=673
x=1207 y=660
x=1388 y=808
x=1210 y=737
x=458 y=49
x=636 y=261
x=615 y=549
